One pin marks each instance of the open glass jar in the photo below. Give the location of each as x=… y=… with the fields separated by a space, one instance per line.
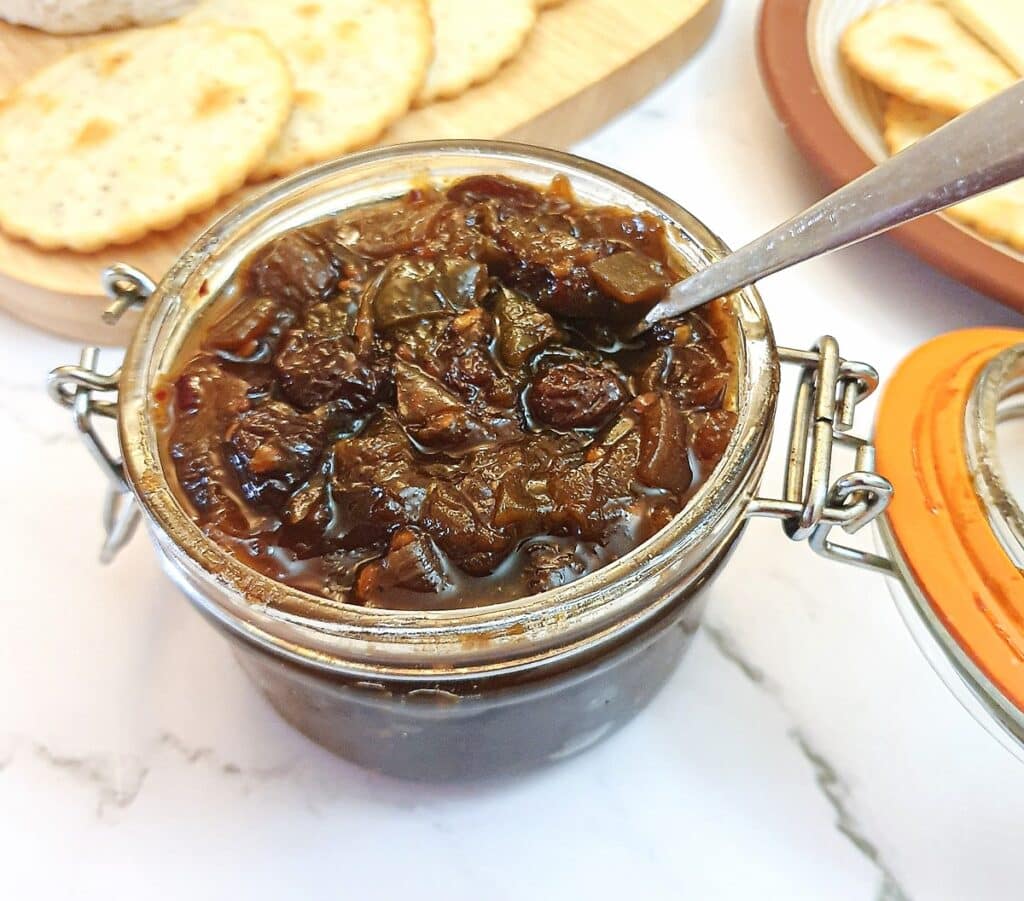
x=490 y=690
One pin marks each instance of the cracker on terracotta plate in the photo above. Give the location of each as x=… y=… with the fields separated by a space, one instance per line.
x=104 y=145
x=472 y=38
x=356 y=66
x=904 y=123
x=999 y=23
x=918 y=51
x=996 y=214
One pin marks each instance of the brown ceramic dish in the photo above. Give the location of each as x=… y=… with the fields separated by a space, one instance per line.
x=794 y=38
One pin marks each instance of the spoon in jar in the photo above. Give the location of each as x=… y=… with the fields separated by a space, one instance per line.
x=979 y=150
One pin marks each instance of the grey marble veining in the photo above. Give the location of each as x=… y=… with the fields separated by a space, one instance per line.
x=827 y=779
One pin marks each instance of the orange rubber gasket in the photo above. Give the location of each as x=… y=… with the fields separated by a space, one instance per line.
x=939 y=523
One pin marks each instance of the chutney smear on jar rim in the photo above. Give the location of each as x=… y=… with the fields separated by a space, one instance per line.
x=428 y=402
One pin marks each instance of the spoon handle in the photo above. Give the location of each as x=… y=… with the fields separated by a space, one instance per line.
x=979 y=150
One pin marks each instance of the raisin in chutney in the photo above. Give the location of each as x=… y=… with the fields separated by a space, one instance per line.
x=429 y=403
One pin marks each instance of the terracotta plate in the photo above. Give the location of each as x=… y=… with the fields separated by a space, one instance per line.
x=832 y=117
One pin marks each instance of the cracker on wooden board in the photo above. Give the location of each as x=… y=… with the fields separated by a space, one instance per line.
x=996 y=214
x=918 y=51
x=356 y=66
x=999 y=23
x=86 y=16
x=472 y=39
x=103 y=146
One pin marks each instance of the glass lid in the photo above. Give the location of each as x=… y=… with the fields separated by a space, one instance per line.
x=955 y=528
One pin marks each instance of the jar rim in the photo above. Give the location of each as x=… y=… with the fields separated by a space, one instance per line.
x=296 y=622
x=998 y=395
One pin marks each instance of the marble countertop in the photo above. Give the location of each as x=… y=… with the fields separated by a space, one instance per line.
x=804 y=748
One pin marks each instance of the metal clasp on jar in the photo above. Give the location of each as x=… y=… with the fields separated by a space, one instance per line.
x=828 y=393
x=90 y=393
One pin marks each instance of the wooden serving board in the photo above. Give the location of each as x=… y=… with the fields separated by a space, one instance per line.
x=584 y=62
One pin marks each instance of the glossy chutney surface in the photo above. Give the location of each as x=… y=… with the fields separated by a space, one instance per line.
x=428 y=403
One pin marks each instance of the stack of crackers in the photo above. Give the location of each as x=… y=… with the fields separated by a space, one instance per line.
x=935 y=60
x=137 y=130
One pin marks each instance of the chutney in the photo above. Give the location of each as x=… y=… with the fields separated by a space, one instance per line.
x=432 y=402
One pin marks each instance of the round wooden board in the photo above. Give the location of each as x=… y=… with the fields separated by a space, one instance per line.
x=584 y=62
x=789 y=76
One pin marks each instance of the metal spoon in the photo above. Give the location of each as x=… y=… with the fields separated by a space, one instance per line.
x=979 y=150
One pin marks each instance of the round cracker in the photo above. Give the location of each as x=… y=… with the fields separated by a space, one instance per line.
x=919 y=52
x=356 y=66
x=88 y=16
x=135 y=133
x=472 y=39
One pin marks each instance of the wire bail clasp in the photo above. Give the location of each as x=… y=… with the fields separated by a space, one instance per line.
x=828 y=393
x=89 y=393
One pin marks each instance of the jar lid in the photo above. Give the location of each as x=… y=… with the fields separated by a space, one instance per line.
x=954 y=527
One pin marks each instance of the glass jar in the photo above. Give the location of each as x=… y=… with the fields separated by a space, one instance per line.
x=955 y=532
x=491 y=690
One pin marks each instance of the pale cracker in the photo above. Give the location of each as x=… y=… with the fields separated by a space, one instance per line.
x=904 y=123
x=999 y=23
x=135 y=133
x=472 y=39
x=997 y=214
x=85 y=16
x=356 y=66
x=547 y=4
x=919 y=52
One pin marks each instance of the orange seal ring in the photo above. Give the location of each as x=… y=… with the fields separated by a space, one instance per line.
x=939 y=524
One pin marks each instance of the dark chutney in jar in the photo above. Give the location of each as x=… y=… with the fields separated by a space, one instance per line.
x=429 y=402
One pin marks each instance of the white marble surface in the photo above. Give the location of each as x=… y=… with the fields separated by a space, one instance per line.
x=804 y=749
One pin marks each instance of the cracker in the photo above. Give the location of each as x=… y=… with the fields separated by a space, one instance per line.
x=999 y=23
x=919 y=52
x=546 y=4
x=135 y=133
x=85 y=16
x=472 y=39
x=356 y=66
x=996 y=214
x=904 y=123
